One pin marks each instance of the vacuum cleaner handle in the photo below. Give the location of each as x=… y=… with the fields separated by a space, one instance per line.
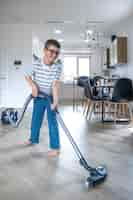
x=68 y=134
x=82 y=160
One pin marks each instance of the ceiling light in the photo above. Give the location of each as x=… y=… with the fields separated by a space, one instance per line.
x=57 y=31
x=35 y=40
x=89 y=32
x=60 y=40
x=86 y=40
x=59 y=21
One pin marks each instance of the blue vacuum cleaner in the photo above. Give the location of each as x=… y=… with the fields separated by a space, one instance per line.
x=96 y=175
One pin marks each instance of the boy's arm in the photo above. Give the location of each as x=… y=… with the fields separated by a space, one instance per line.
x=32 y=85
x=55 y=88
x=29 y=74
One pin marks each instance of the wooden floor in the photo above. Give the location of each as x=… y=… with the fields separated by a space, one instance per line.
x=27 y=173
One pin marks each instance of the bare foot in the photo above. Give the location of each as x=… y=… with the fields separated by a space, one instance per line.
x=53 y=153
x=130 y=129
x=28 y=143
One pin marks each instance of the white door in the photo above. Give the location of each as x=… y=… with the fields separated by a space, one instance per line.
x=3 y=76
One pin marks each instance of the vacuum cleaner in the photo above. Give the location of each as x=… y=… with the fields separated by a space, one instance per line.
x=13 y=113
x=96 y=175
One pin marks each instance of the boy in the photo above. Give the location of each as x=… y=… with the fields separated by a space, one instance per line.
x=45 y=77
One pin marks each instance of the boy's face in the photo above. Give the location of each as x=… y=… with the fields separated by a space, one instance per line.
x=51 y=53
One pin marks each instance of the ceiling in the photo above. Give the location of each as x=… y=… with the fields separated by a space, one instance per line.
x=73 y=17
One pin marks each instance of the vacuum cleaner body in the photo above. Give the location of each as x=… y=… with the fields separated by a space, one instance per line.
x=9 y=114
x=96 y=175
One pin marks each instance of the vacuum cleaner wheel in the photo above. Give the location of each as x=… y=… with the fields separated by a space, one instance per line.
x=97 y=176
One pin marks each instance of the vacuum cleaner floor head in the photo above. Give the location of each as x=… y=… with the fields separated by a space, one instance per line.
x=97 y=176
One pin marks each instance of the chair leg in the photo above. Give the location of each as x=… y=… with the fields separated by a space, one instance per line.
x=123 y=110
x=126 y=109
x=88 y=107
x=130 y=111
x=91 y=110
x=111 y=109
x=100 y=111
x=94 y=107
x=120 y=110
x=115 y=112
x=107 y=108
x=83 y=99
x=98 y=105
x=104 y=110
x=85 y=106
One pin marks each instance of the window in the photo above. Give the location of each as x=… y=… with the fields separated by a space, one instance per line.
x=83 y=67
x=75 y=66
x=70 y=68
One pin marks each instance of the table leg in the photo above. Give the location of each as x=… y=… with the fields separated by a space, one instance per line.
x=102 y=111
x=73 y=95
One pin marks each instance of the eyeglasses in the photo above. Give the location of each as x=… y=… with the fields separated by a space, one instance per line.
x=53 y=51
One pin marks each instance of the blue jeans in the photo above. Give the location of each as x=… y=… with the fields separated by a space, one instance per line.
x=39 y=107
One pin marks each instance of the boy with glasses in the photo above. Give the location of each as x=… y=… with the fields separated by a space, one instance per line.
x=45 y=77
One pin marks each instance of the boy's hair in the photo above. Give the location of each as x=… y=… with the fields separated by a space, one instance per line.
x=52 y=42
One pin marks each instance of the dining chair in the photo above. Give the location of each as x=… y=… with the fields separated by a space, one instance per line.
x=122 y=95
x=92 y=102
x=81 y=82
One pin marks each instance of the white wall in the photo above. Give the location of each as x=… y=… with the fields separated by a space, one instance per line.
x=125 y=28
x=15 y=43
x=96 y=62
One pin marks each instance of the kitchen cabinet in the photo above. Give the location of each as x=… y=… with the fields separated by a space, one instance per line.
x=118 y=51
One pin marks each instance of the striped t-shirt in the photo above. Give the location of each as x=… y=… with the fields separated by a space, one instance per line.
x=44 y=75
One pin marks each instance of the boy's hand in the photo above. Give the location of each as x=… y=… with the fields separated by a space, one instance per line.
x=54 y=106
x=34 y=90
